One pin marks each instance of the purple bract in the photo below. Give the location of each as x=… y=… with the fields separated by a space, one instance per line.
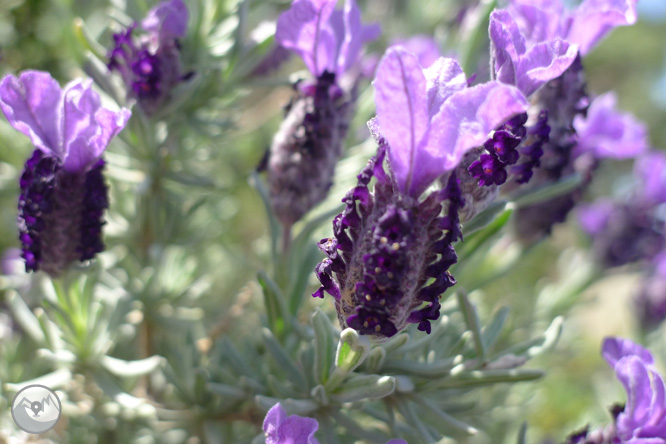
x=585 y=26
x=608 y=133
x=326 y=39
x=63 y=194
x=527 y=65
x=150 y=64
x=643 y=420
x=281 y=429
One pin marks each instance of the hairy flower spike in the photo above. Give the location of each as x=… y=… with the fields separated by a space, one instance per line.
x=150 y=64
x=305 y=150
x=307 y=147
x=387 y=263
x=63 y=194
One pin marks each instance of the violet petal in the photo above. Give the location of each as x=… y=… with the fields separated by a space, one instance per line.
x=32 y=104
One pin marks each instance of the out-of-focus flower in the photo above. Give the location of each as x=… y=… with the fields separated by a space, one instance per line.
x=150 y=64
x=642 y=420
x=527 y=65
x=281 y=429
x=584 y=26
x=566 y=101
x=306 y=148
x=294 y=429
x=602 y=132
x=63 y=194
x=650 y=169
x=608 y=133
x=389 y=243
x=423 y=46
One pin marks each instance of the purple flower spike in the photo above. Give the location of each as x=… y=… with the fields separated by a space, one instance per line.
x=150 y=64
x=281 y=429
x=643 y=420
x=430 y=118
x=585 y=26
x=63 y=194
x=606 y=132
x=651 y=171
x=526 y=65
x=326 y=40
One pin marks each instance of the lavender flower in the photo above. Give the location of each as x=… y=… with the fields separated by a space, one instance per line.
x=302 y=158
x=389 y=243
x=150 y=65
x=294 y=429
x=643 y=419
x=63 y=195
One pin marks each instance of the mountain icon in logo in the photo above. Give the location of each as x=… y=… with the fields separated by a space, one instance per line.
x=36 y=409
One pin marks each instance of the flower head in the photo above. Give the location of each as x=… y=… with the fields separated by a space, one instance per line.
x=63 y=195
x=391 y=250
x=150 y=65
x=326 y=39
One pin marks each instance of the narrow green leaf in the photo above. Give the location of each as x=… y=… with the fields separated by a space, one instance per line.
x=323 y=345
x=457 y=426
x=477 y=378
x=522 y=433
x=359 y=387
x=548 y=191
x=281 y=357
x=421 y=369
x=25 y=318
x=227 y=391
x=472 y=321
x=491 y=331
x=484 y=218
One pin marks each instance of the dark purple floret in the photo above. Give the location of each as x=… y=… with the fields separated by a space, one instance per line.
x=385 y=250
x=35 y=202
x=305 y=150
x=60 y=214
x=95 y=202
x=490 y=169
x=531 y=149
